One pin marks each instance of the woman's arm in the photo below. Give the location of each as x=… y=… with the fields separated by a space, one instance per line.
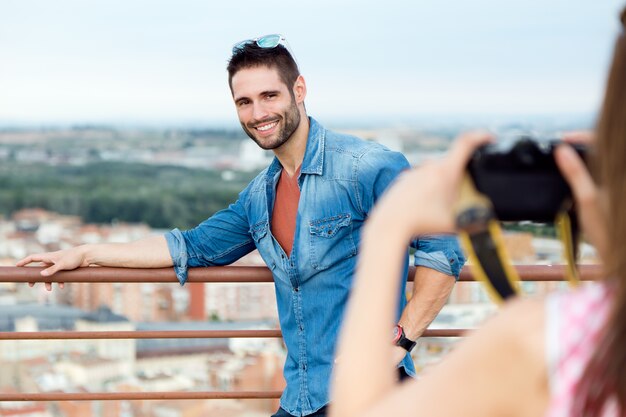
x=419 y=202
x=475 y=380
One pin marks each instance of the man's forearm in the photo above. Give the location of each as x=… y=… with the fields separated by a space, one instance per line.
x=151 y=252
x=430 y=292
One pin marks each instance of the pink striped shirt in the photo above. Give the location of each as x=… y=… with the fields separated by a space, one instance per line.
x=574 y=322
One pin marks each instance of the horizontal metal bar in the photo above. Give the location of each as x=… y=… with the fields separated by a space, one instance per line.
x=107 y=274
x=152 y=334
x=177 y=334
x=116 y=396
x=241 y=274
x=539 y=273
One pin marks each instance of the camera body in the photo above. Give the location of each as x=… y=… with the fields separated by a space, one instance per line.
x=521 y=179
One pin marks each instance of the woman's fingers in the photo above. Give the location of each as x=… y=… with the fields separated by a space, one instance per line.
x=576 y=174
x=464 y=147
x=584 y=137
x=586 y=194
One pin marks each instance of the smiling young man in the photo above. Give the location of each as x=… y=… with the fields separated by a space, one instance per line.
x=304 y=214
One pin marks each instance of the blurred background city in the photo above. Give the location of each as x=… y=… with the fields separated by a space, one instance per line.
x=116 y=123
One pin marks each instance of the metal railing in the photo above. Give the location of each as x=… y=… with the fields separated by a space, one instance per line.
x=228 y=274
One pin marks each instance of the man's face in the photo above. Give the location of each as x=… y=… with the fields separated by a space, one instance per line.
x=266 y=107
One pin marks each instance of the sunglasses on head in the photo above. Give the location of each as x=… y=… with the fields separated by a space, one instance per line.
x=265 y=42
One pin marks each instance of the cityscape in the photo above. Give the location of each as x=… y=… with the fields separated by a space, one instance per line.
x=145 y=365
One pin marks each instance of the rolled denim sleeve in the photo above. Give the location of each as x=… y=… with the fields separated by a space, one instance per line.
x=439 y=252
x=178 y=251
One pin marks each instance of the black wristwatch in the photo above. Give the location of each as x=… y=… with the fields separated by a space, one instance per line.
x=400 y=339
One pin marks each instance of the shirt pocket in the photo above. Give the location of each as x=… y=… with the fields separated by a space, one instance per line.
x=331 y=240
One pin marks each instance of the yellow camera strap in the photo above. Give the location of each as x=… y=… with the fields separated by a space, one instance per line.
x=567 y=230
x=481 y=237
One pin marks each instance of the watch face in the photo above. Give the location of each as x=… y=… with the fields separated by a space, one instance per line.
x=397 y=332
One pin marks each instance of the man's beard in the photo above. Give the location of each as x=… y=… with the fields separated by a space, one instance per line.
x=291 y=119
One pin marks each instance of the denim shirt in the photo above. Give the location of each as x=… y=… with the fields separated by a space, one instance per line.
x=341 y=178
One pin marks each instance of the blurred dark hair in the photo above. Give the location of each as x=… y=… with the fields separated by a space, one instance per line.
x=604 y=378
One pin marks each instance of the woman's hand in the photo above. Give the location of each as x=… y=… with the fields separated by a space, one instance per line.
x=586 y=193
x=422 y=200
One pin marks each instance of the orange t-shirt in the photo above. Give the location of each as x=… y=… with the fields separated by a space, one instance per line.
x=286 y=210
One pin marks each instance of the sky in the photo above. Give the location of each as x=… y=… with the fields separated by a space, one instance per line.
x=163 y=62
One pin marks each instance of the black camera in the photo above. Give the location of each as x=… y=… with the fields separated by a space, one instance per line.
x=521 y=179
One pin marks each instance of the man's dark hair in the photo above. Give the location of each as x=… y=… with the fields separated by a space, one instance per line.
x=251 y=55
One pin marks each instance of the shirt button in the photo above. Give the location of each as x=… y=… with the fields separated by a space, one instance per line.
x=296 y=289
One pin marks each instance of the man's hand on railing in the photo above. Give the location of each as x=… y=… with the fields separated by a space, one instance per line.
x=56 y=261
x=149 y=252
